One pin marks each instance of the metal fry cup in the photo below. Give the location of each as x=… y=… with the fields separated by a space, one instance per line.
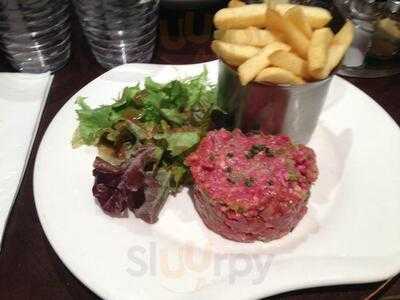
x=292 y=110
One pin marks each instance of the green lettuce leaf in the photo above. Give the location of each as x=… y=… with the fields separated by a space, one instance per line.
x=93 y=122
x=178 y=173
x=152 y=103
x=176 y=95
x=196 y=87
x=179 y=142
x=139 y=132
x=128 y=96
x=151 y=85
x=173 y=115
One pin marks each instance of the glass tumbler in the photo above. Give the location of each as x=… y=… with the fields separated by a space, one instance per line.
x=119 y=31
x=35 y=34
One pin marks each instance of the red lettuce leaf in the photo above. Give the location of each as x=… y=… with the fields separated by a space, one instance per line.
x=156 y=193
x=115 y=186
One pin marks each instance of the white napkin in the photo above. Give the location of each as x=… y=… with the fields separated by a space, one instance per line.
x=22 y=99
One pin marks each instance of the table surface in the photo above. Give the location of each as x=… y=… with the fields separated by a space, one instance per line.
x=29 y=267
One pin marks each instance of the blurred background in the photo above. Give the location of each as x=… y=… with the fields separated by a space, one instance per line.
x=36 y=35
x=183 y=27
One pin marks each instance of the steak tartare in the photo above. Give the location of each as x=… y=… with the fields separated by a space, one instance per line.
x=251 y=187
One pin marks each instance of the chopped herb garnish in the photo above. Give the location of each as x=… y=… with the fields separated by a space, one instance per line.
x=254 y=150
x=228 y=169
x=229 y=155
x=249 y=182
x=211 y=157
x=258 y=147
x=270 y=182
x=269 y=152
x=237 y=208
x=292 y=176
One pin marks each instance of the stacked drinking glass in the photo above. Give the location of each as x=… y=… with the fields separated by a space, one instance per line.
x=119 y=31
x=35 y=34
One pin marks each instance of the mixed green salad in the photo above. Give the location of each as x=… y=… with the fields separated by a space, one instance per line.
x=143 y=139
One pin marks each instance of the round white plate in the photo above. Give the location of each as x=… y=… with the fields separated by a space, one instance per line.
x=351 y=233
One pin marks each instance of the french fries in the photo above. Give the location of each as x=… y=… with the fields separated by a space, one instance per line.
x=274 y=21
x=251 y=67
x=278 y=76
x=236 y=3
x=291 y=62
x=233 y=54
x=279 y=42
x=318 y=49
x=337 y=49
x=240 y=17
x=317 y=17
x=298 y=18
x=254 y=15
x=251 y=36
x=294 y=37
x=274 y=2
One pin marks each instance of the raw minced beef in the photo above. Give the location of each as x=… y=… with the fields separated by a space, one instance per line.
x=251 y=187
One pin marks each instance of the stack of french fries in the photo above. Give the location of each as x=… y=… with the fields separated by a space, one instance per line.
x=279 y=43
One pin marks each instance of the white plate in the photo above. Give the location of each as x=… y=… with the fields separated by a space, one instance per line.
x=351 y=233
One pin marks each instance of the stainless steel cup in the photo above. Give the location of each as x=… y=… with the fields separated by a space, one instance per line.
x=270 y=108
